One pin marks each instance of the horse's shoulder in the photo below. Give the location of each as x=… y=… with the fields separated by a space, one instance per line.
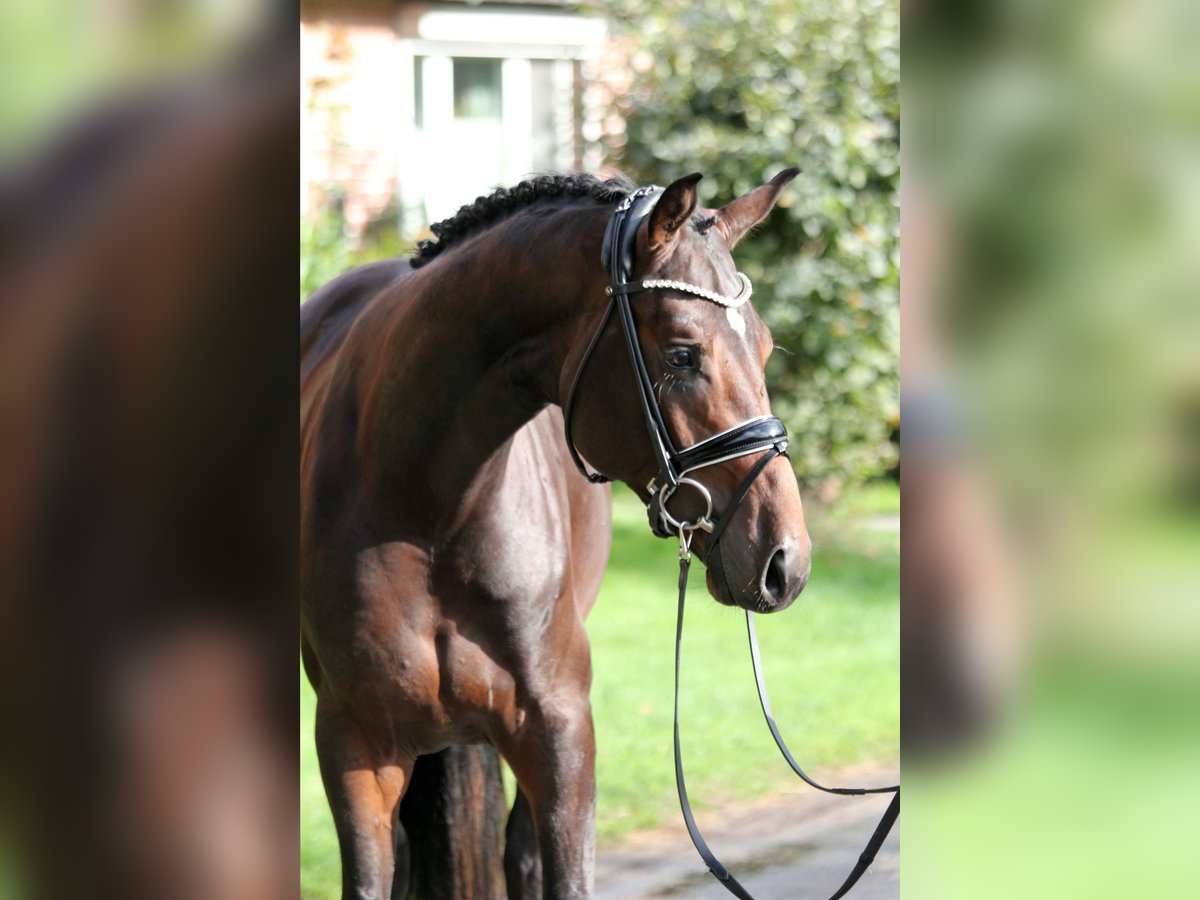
x=561 y=517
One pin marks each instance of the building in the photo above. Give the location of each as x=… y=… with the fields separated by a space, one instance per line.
x=411 y=109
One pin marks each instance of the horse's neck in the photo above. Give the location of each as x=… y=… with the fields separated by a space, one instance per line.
x=464 y=356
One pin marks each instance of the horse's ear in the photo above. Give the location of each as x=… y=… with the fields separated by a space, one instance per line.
x=738 y=216
x=672 y=211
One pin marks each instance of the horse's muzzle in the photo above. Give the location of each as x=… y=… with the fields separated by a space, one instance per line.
x=768 y=584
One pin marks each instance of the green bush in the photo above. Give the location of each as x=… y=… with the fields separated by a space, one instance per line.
x=742 y=89
x=326 y=252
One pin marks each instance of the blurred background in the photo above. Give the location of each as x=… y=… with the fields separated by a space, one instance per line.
x=1051 y=376
x=147 y=449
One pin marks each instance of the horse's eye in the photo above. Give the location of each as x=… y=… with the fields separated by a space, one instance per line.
x=681 y=357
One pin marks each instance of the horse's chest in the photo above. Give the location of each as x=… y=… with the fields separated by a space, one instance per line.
x=430 y=663
x=464 y=626
x=457 y=633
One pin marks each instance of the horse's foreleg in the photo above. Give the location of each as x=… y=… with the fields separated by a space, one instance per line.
x=364 y=792
x=554 y=761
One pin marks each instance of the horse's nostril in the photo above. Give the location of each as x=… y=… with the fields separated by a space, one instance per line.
x=775 y=578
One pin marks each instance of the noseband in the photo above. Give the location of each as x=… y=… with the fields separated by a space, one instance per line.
x=762 y=434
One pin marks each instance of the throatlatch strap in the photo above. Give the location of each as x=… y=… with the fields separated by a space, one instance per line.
x=569 y=410
x=715 y=866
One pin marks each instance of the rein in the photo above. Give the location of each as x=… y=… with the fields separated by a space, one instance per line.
x=763 y=434
x=715 y=866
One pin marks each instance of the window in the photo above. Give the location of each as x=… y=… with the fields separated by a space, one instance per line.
x=545 y=123
x=419 y=91
x=477 y=89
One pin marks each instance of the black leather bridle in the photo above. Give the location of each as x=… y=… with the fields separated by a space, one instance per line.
x=763 y=434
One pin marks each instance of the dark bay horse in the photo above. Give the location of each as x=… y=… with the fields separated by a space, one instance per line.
x=450 y=548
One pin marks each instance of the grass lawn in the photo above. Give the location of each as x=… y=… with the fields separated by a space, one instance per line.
x=831 y=661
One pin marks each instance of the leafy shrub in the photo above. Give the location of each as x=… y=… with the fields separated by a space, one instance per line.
x=326 y=251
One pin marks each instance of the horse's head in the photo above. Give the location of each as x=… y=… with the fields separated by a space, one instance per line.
x=705 y=360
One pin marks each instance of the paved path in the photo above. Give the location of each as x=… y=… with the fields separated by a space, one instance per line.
x=798 y=846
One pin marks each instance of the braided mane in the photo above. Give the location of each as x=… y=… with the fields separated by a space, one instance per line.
x=487 y=210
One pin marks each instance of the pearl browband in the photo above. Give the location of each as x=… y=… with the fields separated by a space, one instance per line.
x=670 y=284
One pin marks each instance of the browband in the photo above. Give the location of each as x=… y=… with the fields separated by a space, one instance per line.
x=669 y=284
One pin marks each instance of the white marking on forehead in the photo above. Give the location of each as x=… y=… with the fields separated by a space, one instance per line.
x=735 y=319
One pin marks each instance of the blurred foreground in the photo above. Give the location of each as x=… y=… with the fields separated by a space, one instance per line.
x=147 y=277
x=1051 y=476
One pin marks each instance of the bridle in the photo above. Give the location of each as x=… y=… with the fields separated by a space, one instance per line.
x=762 y=434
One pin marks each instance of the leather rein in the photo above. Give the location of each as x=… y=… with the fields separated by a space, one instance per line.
x=763 y=434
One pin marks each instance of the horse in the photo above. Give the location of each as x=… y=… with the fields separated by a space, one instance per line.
x=452 y=547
